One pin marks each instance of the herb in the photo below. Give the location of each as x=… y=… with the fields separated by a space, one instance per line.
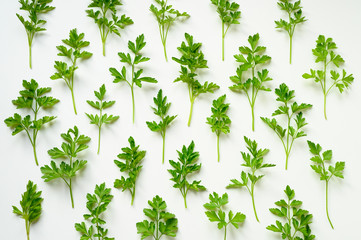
x=161 y=110
x=219 y=119
x=74 y=53
x=131 y=163
x=229 y=14
x=216 y=214
x=106 y=18
x=293 y=111
x=254 y=161
x=135 y=48
x=253 y=84
x=185 y=166
x=34 y=24
x=30 y=206
x=32 y=97
x=324 y=52
x=101 y=119
x=297 y=219
x=162 y=223
x=97 y=204
x=295 y=17
x=320 y=168
x=166 y=16
x=73 y=144
x=192 y=59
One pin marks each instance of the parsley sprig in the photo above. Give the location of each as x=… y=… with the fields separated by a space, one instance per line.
x=33 y=98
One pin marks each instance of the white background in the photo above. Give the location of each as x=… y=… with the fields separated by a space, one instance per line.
x=337 y=19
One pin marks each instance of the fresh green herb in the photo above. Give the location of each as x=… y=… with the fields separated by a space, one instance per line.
x=161 y=110
x=219 y=119
x=254 y=161
x=184 y=167
x=73 y=144
x=324 y=52
x=97 y=204
x=297 y=219
x=135 y=48
x=166 y=16
x=216 y=214
x=295 y=17
x=162 y=223
x=32 y=97
x=101 y=119
x=34 y=24
x=320 y=168
x=106 y=18
x=193 y=59
x=131 y=163
x=74 y=53
x=293 y=112
x=30 y=206
x=229 y=14
x=253 y=84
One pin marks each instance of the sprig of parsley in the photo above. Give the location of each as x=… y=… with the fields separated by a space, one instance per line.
x=30 y=204
x=161 y=109
x=97 y=204
x=297 y=220
x=293 y=111
x=34 y=24
x=73 y=144
x=216 y=214
x=162 y=223
x=131 y=163
x=166 y=16
x=138 y=58
x=106 y=18
x=73 y=54
x=32 y=98
x=101 y=119
x=254 y=161
x=294 y=12
x=219 y=119
x=324 y=53
x=229 y=14
x=191 y=60
x=319 y=167
x=185 y=166
x=250 y=59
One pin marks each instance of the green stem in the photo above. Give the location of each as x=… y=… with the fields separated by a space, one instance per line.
x=287 y=154
x=185 y=200
x=73 y=99
x=165 y=51
x=133 y=102
x=35 y=156
x=99 y=134
x=223 y=41
x=190 y=113
x=163 y=148
x=30 y=62
x=218 y=147
x=252 y=108
x=290 y=49
x=253 y=203
x=225 y=232
x=328 y=217
x=133 y=195
x=27 y=227
x=324 y=106
x=71 y=194
x=103 y=43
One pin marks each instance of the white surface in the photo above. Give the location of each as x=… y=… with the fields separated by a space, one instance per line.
x=338 y=19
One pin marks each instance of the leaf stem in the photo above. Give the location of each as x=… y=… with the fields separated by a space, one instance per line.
x=73 y=99
x=190 y=113
x=253 y=203
x=132 y=90
x=225 y=232
x=290 y=49
x=71 y=194
x=35 y=156
x=27 y=227
x=163 y=136
x=218 y=147
x=223 y=35
x=252 y=109
x=328 y=217
x=185 y=200
x=133 y=195
x=99 y=134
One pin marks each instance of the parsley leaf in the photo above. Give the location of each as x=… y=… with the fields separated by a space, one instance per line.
x=73 y=53
x=161 y=109
x=254 y=161
x=166 y=16
x=138 y=58
x=219 y=119
x=32 y=97
x=319 y=167
x=293 y=111
x=185 y=166
x=324 y=53
x=101 y=119
x=191 y=60
x=30 y=204
x=161 y=223
x=106 y=18
x=73 y=144
x=250 y=59
x=34 y=24
x=216 y=214
x=131 y=163
x=97 y=204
